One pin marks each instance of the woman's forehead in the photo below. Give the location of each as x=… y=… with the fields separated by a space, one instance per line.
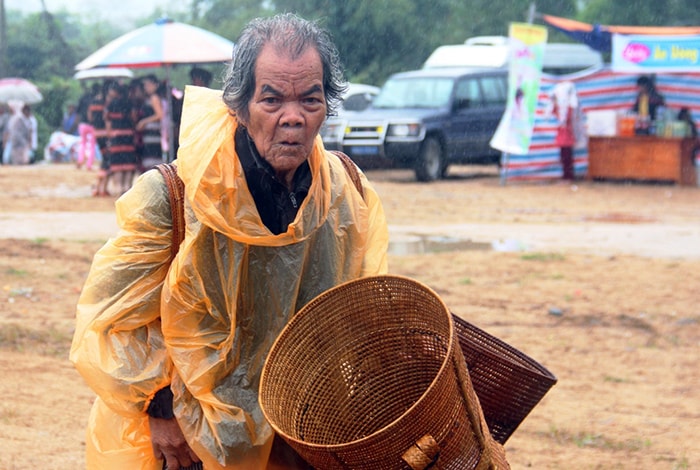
x=274 y=61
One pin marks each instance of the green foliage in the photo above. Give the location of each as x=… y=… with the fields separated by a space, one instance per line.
x=36 y=49
x=89 y=37
x=380 y=37
x=57 y=92
x=226 y=17
x=641 y=12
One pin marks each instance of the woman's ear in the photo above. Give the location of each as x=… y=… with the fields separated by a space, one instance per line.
x=241 y=120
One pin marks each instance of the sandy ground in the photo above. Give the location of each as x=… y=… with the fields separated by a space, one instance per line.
x=597 y=281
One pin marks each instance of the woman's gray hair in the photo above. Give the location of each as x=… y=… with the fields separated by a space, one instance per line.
x=294 y=35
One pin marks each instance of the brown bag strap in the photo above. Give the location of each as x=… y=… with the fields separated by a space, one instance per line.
x=352 y=171
x=176 y=194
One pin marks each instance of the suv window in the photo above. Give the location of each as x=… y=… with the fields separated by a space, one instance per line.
x=494 y=93
x=467 y=94
x=414 y=92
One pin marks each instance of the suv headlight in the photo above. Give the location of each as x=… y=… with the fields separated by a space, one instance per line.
x=333 y=131
x=404 y=130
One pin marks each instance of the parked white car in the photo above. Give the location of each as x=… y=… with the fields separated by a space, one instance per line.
x=356 y=98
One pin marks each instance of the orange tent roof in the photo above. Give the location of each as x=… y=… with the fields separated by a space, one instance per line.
x=599 y=36
x=573 y=25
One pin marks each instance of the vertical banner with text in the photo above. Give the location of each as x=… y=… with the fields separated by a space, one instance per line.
x=514 y=132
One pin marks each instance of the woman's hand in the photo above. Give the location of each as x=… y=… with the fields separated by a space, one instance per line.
x=169 y=443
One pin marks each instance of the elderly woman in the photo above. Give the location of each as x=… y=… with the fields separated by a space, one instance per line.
x=174 y=351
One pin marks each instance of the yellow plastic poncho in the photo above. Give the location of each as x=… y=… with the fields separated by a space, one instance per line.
x=226 y=297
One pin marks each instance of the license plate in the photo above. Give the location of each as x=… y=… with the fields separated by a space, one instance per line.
x=364 y=150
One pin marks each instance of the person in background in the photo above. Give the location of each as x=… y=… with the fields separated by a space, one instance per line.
x=70 y=121
x=198 y=77
x=645 y=105
x=684 y=115
x=35 y=133
x=5 y=115
x=86 y=154
x=165 y=121
x=175 y=350
x=18 y=137
x=564 y=108
x=123 y=161
x=137 y=97
x=149 y=126
x=96 y=118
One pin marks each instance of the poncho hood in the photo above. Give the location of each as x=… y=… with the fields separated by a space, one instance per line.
x=214 y=180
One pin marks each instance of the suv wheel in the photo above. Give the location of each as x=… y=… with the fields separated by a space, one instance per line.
x=430 y=165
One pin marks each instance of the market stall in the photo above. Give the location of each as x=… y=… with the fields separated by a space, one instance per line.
x=654 y=140
x=659 y=150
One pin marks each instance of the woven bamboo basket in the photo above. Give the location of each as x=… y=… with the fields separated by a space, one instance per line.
x=370 y=375
x=508 y=382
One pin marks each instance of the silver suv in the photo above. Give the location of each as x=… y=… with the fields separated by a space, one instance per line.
x=426 y=120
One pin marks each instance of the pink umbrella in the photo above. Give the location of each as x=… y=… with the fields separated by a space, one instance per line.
x=162 y=43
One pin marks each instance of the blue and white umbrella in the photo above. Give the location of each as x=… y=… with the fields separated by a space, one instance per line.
x=160 y=44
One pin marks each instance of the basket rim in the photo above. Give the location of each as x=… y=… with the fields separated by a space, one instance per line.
x=452 y=343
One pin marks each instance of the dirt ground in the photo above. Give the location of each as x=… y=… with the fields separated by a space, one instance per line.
x=619 y=329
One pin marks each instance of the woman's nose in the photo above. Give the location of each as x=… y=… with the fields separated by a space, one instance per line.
x=292 y=114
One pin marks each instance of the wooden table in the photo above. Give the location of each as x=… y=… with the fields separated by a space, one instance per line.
x=642 y=158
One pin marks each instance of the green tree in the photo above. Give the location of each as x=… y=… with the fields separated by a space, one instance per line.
x=36 y=50
x=376 y=38
x=226 y=17
x=641 y=12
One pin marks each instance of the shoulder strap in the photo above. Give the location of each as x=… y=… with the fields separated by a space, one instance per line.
x=351 y=168
x=176 y=194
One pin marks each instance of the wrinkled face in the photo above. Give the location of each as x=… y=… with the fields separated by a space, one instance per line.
x=287 y=108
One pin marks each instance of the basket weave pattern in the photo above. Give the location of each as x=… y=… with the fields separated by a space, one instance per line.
x=369 y=369
x=508 y=383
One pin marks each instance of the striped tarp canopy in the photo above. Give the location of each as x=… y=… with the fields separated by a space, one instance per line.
x=597 y=89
